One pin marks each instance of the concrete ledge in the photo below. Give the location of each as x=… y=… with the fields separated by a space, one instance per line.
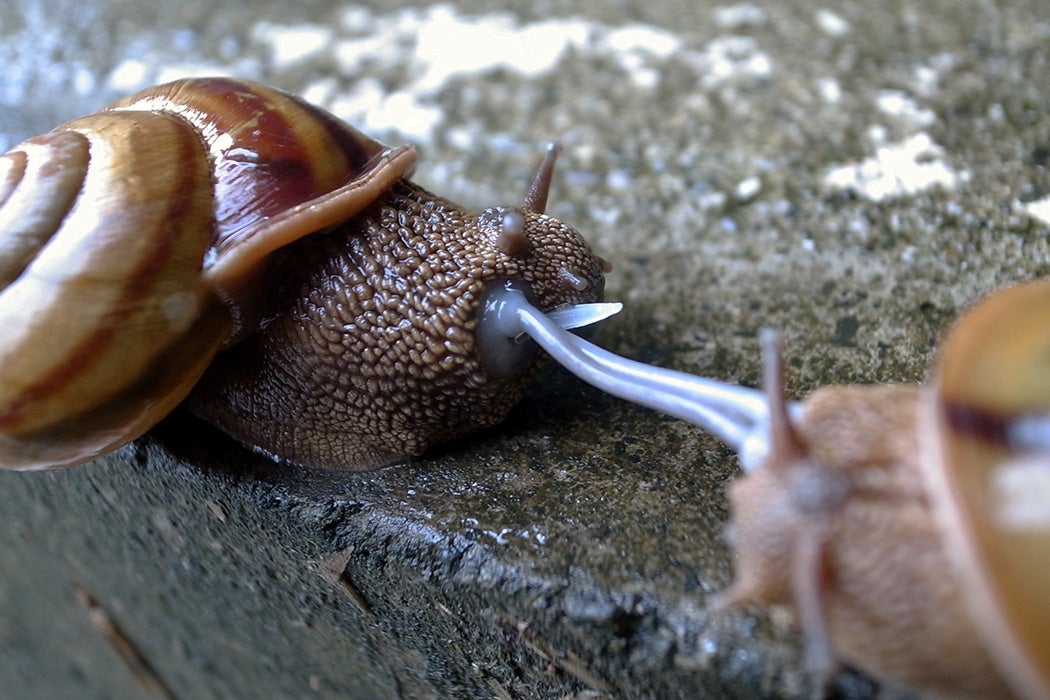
x=472 y=574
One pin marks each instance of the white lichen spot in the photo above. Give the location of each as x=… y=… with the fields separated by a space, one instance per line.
x=505 y=535
x=356 y=19
x=731 y=59
x=1021 y=492
x=643 y=39
x=926 y=78
x=353 y=55
x=637 y=47
x=83 y=81
x=435 y=46
x=402 y=108
x=897 y=169
x=898 y=104
x=422 y=52
x=748 y=188
x=711 y=200
x=739 y=16
x=352 y=105
x=1038 y=209
x=831 y=23
x=494 y=41
x=619 y=180
x=291 y=44
x=829 y=90
x=462 y=136
x=374 y=110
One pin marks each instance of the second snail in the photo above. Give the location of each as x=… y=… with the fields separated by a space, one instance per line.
x=907 y=526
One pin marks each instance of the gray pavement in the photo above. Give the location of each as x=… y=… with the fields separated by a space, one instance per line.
x=853 y=173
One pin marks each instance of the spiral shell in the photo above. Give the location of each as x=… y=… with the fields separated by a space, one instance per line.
x=129 y=240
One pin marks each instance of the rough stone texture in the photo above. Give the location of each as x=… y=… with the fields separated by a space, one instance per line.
x=572 y=549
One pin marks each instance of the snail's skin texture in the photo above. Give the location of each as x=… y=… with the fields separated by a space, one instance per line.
x=213 y=214
x=368 y=353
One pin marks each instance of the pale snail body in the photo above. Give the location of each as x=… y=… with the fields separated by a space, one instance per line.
x=138 y=242
x=846 y=535
x=875 y=514
x=908 y=526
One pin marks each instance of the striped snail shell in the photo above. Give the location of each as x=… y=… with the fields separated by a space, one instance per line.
x=214 y=223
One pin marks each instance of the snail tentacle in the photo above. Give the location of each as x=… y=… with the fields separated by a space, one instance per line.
x=784 y=440
x=536 y=198
x=737 y=415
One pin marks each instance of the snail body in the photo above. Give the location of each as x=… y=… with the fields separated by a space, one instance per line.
x=844 y=533
x=217 y=222
x=880 y=513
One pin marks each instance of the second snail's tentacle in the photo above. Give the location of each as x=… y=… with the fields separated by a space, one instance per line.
x=784 y=440
x=738 y=415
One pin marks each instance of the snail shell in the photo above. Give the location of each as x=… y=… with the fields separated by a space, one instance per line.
x=909 y=526
x=216 y=216
x=989 y=471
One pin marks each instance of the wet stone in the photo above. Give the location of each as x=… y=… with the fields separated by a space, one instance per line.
x=856 y=177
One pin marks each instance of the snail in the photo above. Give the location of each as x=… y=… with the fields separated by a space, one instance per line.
x=908 y=526
x=227 y=245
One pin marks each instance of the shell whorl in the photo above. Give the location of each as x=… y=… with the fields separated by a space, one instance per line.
x=131 y=241
x=281 y=169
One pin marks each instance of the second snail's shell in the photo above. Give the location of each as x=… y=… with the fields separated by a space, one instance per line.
x=988 y=467
x=137 y=242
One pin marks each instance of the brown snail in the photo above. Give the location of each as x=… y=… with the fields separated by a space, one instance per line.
x=226 y=239
x=908 y=526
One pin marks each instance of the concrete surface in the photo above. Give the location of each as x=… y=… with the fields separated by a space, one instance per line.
x=853 y=173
